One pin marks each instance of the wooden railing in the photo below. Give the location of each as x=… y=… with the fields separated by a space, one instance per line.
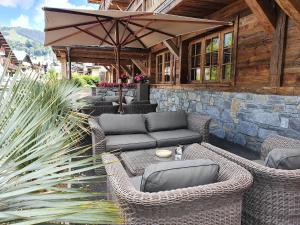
x=135 y=5
x=144 y=5
x=151 y=5
x=105 y=4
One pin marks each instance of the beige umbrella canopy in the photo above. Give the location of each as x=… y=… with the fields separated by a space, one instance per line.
x=119 y=29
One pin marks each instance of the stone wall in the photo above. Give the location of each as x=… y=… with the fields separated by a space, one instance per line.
x=243 y=118
x=112 y=91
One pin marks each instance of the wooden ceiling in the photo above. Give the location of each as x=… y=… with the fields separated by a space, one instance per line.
x=102 y=56
x=197 y=8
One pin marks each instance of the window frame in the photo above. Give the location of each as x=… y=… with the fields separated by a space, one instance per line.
x=163 y=55
x=202 y=40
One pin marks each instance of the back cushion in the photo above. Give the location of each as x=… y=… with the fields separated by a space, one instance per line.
x=284 y=158
x=172 y=175
x=111 y=98
x=166 y=121
x=122 y=124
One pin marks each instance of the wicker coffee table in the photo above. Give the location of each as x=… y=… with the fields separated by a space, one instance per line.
x=135 y=162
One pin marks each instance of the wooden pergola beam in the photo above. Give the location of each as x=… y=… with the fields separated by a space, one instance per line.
x=139 y=64
x=265 y=14
x=291 y=8
x=100 y=61
x=278 y=50
x=126 y=69
x=172 y=48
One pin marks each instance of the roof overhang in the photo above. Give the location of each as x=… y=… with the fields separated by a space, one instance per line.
x=100 y=55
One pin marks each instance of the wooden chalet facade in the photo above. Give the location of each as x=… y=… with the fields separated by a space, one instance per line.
x=246 y=76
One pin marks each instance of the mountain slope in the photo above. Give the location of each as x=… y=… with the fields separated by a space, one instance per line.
x=28 y=40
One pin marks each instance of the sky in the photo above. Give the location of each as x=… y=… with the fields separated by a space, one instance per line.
x=29 y=13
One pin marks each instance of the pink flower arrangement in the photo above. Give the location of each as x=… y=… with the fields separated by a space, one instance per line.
x=141 y=78
x=124 y=77
x=108 y=85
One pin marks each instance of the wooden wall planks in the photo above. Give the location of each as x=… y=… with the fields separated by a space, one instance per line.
x=253 y=56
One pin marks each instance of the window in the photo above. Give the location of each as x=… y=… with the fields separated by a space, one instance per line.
x=196 y=62
x=210 y=58
x=227 y=56
x=212 y=47
x=163 y=67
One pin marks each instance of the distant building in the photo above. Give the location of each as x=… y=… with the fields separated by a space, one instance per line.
x=7 y=57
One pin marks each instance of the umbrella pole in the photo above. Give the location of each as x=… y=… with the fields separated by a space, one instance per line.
x=120 y=84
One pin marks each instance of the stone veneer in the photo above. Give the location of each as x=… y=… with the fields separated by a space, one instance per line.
x=112 y=91
x=243 y=118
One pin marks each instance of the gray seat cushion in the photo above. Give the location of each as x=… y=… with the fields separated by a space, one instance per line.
x=136 y=182
x=172 y=175
x=284 y=158
x=122 y=124
x=175 y=137
x=160 y=121
x=127 y=142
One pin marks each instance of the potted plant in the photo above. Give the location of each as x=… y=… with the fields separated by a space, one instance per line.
x=142 y=92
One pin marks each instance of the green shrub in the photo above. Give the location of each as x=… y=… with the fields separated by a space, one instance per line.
x=79 y=81
x=85 y=80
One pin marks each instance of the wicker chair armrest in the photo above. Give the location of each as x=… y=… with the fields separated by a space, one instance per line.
x=272 y=176
x=199 y=123
x=231 y=186
x=98 y=136
x=277 y=141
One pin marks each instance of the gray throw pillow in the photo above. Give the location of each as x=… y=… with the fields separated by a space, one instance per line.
x=129 y=100
x=160 y=121
x=284 y=158
x=172 y=175
x=122 y=124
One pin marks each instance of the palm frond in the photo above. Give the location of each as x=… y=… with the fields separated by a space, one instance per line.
x=40 y=158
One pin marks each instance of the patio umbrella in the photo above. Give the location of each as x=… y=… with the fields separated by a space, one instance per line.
x=118 y=29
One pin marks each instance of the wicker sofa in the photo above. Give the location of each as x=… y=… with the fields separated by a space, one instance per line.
x=274 y=198
x=213 y=204
x=196 y=131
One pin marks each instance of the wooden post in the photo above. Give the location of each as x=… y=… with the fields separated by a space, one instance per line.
x=69 y=63
x=63 y=62
x=118 y=67
x=278 y=50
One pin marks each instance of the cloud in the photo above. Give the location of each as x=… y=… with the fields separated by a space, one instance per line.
x=39 y=17
x=25 y=4
x=21 y=21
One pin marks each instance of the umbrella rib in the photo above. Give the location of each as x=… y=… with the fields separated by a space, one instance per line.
x=110 y=29
x=134 y=35
x=201 y=21
x=107 y=33
x=94 y=35
x=70 y=35
x=126 y=27
x=153 y=29
x=69 y=26
x=142 y=36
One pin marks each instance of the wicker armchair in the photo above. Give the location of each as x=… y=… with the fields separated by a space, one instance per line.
x=274 y=198
x=214 y=204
